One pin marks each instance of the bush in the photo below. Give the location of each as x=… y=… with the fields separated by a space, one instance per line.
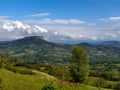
x=99 y=83
x=0 y=83
x=117 y=86
x=48 y=87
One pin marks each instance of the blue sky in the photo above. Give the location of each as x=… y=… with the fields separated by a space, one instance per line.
x=80 y=9
x=80 y=19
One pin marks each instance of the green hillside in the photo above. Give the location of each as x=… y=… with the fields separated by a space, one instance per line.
x=35 y=48
x=15 y=81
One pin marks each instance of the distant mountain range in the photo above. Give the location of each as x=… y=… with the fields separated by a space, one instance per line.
x=35 y=48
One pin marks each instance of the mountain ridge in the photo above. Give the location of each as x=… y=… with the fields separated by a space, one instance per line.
x=36 y=48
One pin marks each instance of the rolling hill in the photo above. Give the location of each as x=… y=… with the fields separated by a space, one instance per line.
x=35 y=48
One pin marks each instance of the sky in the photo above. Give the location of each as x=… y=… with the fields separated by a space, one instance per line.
x=60 y=20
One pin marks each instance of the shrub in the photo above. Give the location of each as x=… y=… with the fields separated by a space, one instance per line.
x=0 y=83
x=117 y=86
x=99 y=83
x=48 y=87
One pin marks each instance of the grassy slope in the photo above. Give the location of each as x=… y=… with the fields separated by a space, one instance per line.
x=91 y=81
x=13 y=81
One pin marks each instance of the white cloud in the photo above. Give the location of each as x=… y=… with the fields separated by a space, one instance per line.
x=109 y=19
x=60 y=21
x=10 y=30
x=76 y=21
x=39 y=15
x=119 y=32
x=93 y=38
x=91 y=24
x=5 y=17
x=104 y=20
x=56 y=21
x=111 y=35
x=69 y=29
x=114 y=18
x=43 y=21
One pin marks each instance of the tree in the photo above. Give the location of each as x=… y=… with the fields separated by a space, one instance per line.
x=79 y=69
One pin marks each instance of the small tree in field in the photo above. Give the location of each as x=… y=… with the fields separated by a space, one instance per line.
x=79 y=68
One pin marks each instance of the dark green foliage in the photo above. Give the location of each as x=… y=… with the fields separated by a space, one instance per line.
x=117 y=86
x=99 y=83
x=0 y=82
x=105 y=65
x=60 y=72
x=107 y=75
x=79 y=68
x=3 y=61
x=47 y=87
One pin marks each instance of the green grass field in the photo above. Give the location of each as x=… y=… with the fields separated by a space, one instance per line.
x=15 y=81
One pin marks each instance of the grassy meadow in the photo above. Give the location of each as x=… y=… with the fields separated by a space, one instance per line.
x=15 y=81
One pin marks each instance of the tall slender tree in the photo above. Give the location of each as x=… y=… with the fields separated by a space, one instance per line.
x=79 y=68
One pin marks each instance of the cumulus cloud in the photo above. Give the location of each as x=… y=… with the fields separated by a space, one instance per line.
x=10 y=30
x=56 y=21
x=15 y=29
x=39 y=15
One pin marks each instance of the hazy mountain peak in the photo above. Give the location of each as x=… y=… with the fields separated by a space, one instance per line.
x=35 y=37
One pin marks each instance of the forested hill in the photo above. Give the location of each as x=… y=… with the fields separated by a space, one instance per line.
x=35 y=48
